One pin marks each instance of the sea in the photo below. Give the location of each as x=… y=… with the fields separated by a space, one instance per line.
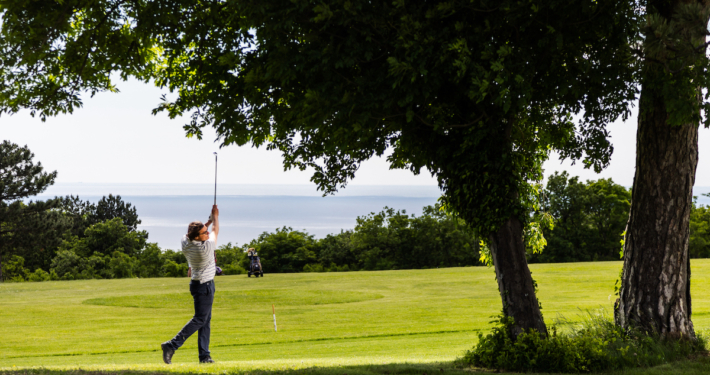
x=246 y=211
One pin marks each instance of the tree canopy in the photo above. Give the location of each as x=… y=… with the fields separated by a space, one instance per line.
x=475 y=92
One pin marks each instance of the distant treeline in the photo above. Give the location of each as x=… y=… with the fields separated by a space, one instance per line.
x=76 y=239
x=380 y=241
x=86 y=245
x=590 y=219
x=80 y=240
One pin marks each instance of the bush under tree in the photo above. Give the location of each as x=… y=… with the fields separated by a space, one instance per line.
x=593 y=345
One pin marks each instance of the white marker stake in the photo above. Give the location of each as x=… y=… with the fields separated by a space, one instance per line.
x=273 y=311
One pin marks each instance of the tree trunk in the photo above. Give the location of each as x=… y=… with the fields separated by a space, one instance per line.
x=1 y=279
x=655 y=286
x=515 y=283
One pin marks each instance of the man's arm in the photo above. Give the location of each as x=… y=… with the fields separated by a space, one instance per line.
x=215 y=223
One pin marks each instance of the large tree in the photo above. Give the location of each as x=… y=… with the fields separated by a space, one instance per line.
x=476 y=92
x=24 y=227
x=655 y=286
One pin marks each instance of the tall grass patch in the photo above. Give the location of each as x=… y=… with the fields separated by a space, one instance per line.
x=594 y=344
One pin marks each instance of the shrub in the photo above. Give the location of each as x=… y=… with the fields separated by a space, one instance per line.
x=597 y=345
x=176 y=256
x=228 y=254
x=13 y=269
x=150 y=261
x=313 y=268
x=233 y=269
x=39 y=275
x=67 y=265
x=285 y=250
x=172 y=269
x=66 y=262
x=122 y=266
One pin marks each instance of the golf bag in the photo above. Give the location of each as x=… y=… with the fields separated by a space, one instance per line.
x=218 y=271
x=255 y=265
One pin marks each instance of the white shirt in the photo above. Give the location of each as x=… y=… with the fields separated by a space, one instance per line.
x=200 y=258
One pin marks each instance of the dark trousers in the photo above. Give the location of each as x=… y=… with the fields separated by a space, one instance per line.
x=203 y=295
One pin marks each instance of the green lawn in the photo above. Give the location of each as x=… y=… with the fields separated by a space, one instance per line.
x=361 y=320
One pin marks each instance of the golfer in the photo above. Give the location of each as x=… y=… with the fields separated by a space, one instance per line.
x=198 y=245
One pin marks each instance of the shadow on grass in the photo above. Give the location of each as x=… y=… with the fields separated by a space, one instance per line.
x=446 y=368
x=700 y=365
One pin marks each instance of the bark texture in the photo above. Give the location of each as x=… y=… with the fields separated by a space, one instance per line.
x=515 y=282
x=655 y=287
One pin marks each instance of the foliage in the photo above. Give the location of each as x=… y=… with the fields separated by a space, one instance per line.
x=172 y=269
x=589 y=218
x=14 y=269
x=675 y=61
x=83 y=214
x=393 y=240
x=21 y=177
x=371 y=75
x=175 y=256
x=122 y=265
x=150 y=261
x=284 y=250
x=35 y=233
x=335 y=253
x=111 y=250
x=105 y=238
x=478 y=121
x=65 y=237
x=229 y=258
x=39 y=275
x=378 y=238
x=595 y=345
x=112 y=207
x=28 y=230
x=67 y=265
x=386 y=240
x=36 y=230
x=699 y=243
x=78 y=212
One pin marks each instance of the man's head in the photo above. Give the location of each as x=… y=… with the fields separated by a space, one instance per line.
x=197 y=231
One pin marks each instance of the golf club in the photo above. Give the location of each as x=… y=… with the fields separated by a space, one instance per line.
x=218 y=270
x=215 y=181
x=215 y=178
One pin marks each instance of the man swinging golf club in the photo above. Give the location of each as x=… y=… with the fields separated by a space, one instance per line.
x=198 y=245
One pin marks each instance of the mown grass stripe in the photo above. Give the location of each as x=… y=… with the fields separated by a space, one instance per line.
x=255 y=344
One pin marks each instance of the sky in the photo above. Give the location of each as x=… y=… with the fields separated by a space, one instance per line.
x=114 y=138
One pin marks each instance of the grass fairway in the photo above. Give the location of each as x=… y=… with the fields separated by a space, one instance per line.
x=358 y=319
